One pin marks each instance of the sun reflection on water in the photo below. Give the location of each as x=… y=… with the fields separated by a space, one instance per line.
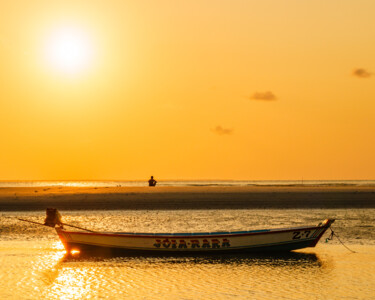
x=70 y=284
x=58 y=245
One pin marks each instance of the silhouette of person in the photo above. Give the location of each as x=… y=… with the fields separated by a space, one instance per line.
x=152 y=181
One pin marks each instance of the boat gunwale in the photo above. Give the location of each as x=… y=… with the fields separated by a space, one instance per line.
x=195 y=235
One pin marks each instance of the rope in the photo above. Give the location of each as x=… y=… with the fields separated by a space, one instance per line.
x=334 y=234
x=32 y=222
x=37 y=223
x=78 y=227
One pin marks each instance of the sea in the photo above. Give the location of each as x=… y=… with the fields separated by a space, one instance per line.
x=34 y=264
x=138 y=183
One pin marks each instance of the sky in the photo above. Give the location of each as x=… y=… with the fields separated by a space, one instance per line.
x=208 y=89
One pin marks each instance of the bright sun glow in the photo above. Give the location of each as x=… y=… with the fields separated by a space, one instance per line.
x=69 y=50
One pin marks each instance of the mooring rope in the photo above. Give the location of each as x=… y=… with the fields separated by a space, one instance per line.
x=334 y=234
x=37 y=223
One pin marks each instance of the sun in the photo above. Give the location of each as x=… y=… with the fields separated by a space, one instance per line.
x=69 y=50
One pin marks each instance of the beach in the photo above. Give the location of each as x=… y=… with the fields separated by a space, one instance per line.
x=186 y=197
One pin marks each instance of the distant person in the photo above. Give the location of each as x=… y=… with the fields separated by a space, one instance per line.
x=152 y=181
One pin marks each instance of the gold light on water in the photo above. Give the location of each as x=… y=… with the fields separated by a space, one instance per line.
x=57 y=245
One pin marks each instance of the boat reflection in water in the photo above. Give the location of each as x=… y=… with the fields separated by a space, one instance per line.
x=199 y=257
x=273 y=259
x=178 y=277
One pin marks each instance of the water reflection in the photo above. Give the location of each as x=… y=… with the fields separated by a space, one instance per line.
x=50 y=274
x=179 y=277
x=274 y=259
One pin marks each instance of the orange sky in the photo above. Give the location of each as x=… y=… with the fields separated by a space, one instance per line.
x=187 y=89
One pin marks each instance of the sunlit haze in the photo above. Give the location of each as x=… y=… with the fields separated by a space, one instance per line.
x=247 y=90
x=69 y=50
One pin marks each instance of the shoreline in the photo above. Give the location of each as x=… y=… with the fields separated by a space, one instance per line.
x=188 y=197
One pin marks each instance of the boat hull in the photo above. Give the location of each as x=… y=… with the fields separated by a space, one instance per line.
x=105 y=251
x=275 y=240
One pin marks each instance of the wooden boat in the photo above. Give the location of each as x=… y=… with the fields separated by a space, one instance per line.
x=284 y=239
x=266 y=240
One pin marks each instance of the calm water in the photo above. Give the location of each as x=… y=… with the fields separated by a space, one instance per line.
x=33 y=263
x=187 y=183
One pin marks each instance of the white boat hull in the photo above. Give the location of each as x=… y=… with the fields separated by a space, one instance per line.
x=204 y=243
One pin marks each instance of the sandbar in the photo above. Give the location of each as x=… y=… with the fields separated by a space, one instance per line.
x=187 y=197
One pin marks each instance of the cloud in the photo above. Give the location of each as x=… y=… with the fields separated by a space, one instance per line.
x=266 y=96
x=222 y=131
x=362 y=73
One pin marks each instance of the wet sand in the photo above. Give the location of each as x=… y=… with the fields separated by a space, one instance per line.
x=191 y=197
